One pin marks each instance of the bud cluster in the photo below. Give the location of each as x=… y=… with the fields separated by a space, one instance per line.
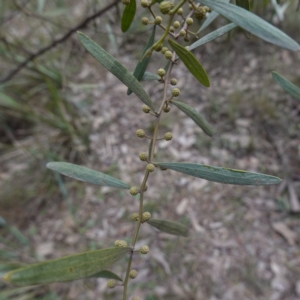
x=120 y=244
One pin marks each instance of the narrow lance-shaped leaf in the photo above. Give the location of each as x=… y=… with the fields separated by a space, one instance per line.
x=107 y=274
x=150 y=76
x=128 y=15
x=222 y=175
x=195 y=116
x=253 y=24
x=67 y=268
x=86 y=175
x=169 y=227
x=212 y=36
x=191 y=63
x=117 y=69
x=141 y=67
x=287 y=85
x=211 y=17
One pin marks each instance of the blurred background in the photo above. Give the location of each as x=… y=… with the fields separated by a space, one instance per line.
x=58 y=104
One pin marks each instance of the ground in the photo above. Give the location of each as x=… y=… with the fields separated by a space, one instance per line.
x=244 y=241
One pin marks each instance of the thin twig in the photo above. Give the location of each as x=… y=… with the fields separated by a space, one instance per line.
x=60 y=40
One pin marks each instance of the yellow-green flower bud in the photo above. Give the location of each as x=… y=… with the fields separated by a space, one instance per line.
x=166 y=6
x=146 y=109
x=168 y=136
x=145 y=21
x=189 y=21
x=171 y=29
x=146 y=216
x=140 y=133
x=144 y=3
x=176 y=24
x=175 y=92
x=150 y=167
x=164 y=50
x=111 y=283
x=126 y=2
x=134 y=217
x=166 y=109
x=182 y=32
x=180 y=11
x=187 y=38
x=173 y=81
x=200 y=13
x=158 y=47
x=120 y=244
x=134 y=190
x=158 y=20
x=190 y=6
x=161 y=72
x=163 y=168
x=143 y=156
x=168 y=54
x=144 y=250
x=207 y=9
x=133 y=274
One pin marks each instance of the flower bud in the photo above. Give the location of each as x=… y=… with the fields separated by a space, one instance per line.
x=158 y=20
x=133 y=274
x=187 y=38
x=146 y=109
x=144 y=250
x=200 y=13
x=182 y=32
x=163 y=168
x=176 y=24
x=150 y=167
x=134 y=190
x=207 y=9
x=189 y=21
x=144 y=3
x=161 y=72
x=168 y=55
x=165 y=7
x=126 y=2
x=111 y=283
x=164 y=50
x=158 y=47
x=171 y=29
x=146 y=216
x=173 y=81
x=180 y=11
x=166 y=109
x=175 y=92
x=120 y=244
x=143 y=156
x=134 y=217
x=168 y=136
x=145 y=21
x=140 y=133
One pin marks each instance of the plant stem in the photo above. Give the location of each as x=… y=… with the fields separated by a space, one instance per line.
x=146 y=176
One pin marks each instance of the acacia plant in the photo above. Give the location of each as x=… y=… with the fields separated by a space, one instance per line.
x=173 y=20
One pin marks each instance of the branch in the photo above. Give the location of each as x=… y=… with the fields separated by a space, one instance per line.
x=60 y=40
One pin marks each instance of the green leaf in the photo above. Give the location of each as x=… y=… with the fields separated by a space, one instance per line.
x=144 y=60
x=86 y=175
x=212 y=36
x=195 y=116
x=191 y=63
x=287 y=85
x=210 y=18
x=107 y=274
x=128 y=15
x=222 y=175
x=117 y=69
x=67 y=268
x=243 y=3
x=169 y=227
x=8 y=102
x=253 y=24
x=4 y=268
x=150 y=76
